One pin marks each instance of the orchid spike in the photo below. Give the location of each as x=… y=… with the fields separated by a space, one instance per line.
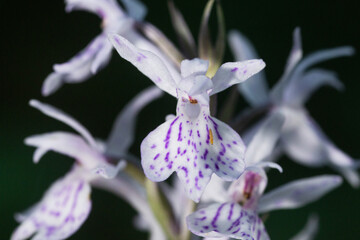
x=193 y=144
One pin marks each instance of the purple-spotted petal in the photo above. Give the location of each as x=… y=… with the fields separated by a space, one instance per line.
x=194 y=149
x=227 y=219
x=235 y=72
x=146 y=62
x=65 y=118
x=255 y=90
x=61 y=212
x=68 y=144
x=123 y=130
x=298 y=193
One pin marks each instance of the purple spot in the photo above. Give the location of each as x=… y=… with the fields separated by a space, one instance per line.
x=234 y=69
x=200 y=174
x=185 y=170
x=167 y=157
x=152 y=167
x=157 y=155
x=180 y=129
x=153 y=146
x=213 y=222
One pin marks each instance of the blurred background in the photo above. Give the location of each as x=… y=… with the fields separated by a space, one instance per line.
x=37 y=34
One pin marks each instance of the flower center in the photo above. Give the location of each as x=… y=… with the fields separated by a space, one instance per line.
x=192 y=108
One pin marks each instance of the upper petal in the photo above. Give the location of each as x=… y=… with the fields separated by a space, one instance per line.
x=195 y=66
x=255 y=90
x=235 y=72
x=227 y=219
x=298 y=193
x=146 y=62
x=194 y=149
x=60 y=213
x=122 y=133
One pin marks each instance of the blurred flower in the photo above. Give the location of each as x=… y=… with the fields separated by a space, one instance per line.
x=238 y=216
x=302 y=139
x=193 y=144
x=66 y=205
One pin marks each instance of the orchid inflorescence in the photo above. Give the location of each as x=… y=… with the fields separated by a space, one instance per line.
x=221 y=179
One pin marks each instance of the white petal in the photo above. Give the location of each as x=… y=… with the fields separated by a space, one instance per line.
x=195 y=85
x=83 y=57
x=351 y=175
x=123 y=131
x=298 y=193
x=65 y=118
x=298 y=92
x=52 y=83
x=102 y=57
x=68 y=144
x=301 y=140
x=135 y=9
x=146 y=62
x=194 y=149
x=255 y=91
x=216 y=190
x=310 y=229
x=235 y=72
x=227 y=219
x=305 y=142
x=61 y=212
x=263 y=143
x=195 y=66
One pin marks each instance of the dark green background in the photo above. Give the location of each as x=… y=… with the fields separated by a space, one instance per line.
x=36 y=34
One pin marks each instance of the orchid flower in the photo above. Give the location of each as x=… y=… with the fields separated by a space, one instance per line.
x=302 y=139
x=97 y=53
x=66 y=205
x=236 y=214
x=193 y=144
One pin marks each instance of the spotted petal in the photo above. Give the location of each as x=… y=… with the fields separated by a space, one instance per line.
x=298 y=193
x=227 y=219
x=61 y=212
x=146 y=62
x=235 y=72
x=194 y=149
